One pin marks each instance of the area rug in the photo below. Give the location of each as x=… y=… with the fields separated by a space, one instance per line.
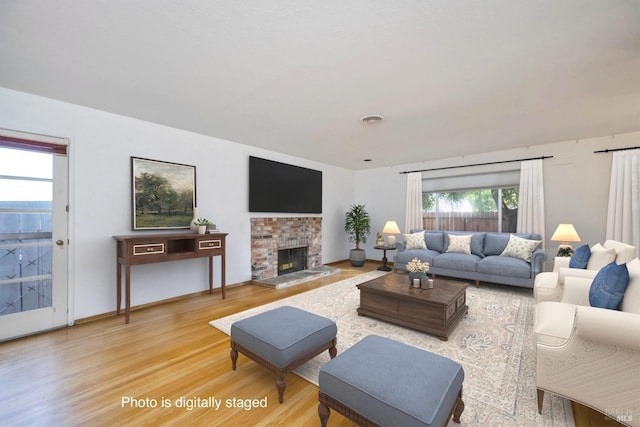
x=493 y=343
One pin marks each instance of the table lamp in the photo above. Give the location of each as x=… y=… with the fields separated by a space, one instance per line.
x=390 y=229
x=565 y=233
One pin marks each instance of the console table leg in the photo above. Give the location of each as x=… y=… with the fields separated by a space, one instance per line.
x=210 y=274
x=223 y=273
x=127 y=292
x=119 y=287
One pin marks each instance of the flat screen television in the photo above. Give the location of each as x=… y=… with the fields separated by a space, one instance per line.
x=281 y=188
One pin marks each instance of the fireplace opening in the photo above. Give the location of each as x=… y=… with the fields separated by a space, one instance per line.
x=292 y=259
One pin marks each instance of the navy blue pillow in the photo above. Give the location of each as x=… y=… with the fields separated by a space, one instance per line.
x=607 y=288
x=580 y=257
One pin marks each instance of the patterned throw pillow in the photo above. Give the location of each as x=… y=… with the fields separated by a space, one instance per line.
x=415 y=241
x=607 y=288
x=459 y=243
x=520 y=248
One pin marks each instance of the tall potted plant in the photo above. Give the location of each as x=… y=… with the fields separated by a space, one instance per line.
x=358 y=227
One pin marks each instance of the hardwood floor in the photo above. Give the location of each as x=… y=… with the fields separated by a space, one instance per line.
x=105 y=372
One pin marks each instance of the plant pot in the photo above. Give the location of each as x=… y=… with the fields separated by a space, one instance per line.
x=357 y=257
x=202 y=229
x=420 y=276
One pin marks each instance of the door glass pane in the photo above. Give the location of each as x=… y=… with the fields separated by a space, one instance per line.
x=26 y=194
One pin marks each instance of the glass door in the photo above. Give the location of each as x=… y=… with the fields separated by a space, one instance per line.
x=33 y=240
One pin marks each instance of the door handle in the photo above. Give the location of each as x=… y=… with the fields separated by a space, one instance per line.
x=59 y=242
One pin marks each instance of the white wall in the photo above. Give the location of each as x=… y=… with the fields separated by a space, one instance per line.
x=576 y=184
x=100 y=197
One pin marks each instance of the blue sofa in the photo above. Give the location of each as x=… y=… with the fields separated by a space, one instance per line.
x=483 y=263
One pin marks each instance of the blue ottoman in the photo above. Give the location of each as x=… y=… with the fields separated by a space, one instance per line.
x=381 y=382
x=282 y=339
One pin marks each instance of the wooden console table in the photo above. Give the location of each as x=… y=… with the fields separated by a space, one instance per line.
x=152 y=248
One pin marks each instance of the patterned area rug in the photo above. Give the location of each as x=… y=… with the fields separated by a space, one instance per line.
x=493 y=343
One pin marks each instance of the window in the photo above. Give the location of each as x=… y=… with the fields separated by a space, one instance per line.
x=485 y=209
x=26 y=191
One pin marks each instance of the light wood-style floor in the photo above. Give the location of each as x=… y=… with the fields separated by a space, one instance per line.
x=106 y=373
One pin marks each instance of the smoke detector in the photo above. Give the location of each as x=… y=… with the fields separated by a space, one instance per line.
x=372 y=119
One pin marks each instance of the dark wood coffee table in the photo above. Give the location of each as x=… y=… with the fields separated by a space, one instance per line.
x=436 y=311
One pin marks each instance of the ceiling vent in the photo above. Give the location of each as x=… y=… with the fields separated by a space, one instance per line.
x=372 y=119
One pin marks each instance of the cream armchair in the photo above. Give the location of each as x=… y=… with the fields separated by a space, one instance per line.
x=548 y=286
x=591 y=355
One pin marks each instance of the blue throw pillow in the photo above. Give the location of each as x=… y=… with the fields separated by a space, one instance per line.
x=580 y=257
x=607 y=288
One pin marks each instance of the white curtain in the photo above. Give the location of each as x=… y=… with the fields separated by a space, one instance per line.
x=413 y=214
x=531 y=198
x=623 y=215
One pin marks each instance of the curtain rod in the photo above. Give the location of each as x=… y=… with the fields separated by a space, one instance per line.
x=479 y=164
x=615 y=149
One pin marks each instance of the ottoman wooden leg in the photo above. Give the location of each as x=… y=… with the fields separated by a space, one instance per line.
x=333 y=351
x=458 y=407
x=280 y=384
x=234 y=356
x=323 y=412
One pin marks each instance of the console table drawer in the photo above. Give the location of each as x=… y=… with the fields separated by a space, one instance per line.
x=148 y=249
x=210 y=244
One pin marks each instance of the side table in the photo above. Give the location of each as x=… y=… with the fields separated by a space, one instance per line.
x=384 y=266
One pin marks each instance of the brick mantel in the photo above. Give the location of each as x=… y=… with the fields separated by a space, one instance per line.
x=269 y=234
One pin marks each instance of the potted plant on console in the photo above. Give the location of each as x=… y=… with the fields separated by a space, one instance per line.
x=201 y=223
x=358 y=227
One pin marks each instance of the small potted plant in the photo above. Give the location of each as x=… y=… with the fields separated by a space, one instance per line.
x=202 y=223
x=358 y=227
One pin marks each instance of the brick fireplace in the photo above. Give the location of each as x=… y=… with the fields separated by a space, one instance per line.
x=269 y=235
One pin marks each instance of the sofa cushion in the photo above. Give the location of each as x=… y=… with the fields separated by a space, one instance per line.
x=520 y=248
x=415 y=241
x=600 y=256
x=435 y=240
x=607 y=288
x=494 y=243
x=459 y=243
x=477 y=244
x=504 y=266
x=422 y=254
x=456 y=261
x=631 y=299
x=580 y=257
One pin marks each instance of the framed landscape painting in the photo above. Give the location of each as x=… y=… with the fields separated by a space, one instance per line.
x=164 y=194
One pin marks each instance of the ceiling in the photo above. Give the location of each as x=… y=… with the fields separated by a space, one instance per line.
x=450 y=77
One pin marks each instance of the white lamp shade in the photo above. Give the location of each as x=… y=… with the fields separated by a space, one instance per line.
x=565 y=233
x=391 y=228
